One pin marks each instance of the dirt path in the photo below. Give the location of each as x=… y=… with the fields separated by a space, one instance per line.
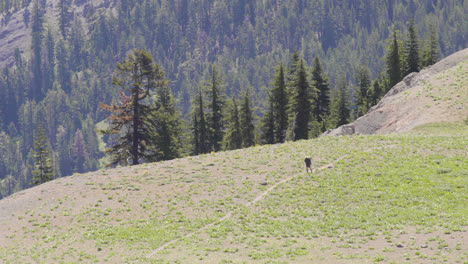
x=229 y=214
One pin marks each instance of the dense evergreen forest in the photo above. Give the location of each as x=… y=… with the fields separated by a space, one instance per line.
x=75 y=46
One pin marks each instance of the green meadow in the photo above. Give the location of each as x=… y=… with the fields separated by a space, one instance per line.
x=400 y=198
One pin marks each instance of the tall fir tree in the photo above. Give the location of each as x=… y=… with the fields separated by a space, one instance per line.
x=195 y=134
x=77 y=41
x=332 y=119
x=362 y=93
x=48 y=63
x=376 y=91
x=320 y=81
x=65 y=16
x=79 y=152
x=292 y=72
x=183 y=13
x=301 y=102
x=165 y=125
x=393 y=60
x=217 y=102
x=412 y=49
x=37 y=29
x=431 y=50
x=246 y=121
x=343 y=110
x=280 y=99
x=136 y=76
x=268 y=125
x=233 y=135
x=43 y=166
x=63 y=72
x=200 y=127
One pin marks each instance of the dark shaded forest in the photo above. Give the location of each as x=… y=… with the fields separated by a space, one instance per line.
x=67 y=72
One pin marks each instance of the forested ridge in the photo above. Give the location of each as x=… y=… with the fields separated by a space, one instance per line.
x=76 y=45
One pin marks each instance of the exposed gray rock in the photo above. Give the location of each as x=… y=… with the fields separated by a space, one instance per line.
x=393 y=113
x=341 y=131
x=15 y=31
x=13 y=34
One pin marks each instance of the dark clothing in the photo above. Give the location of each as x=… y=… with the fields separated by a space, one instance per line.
x=308 y=163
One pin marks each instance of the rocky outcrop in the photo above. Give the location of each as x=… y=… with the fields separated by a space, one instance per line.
x=435 y=94
x=14 y=34
x=341 y=131
x=15 y=28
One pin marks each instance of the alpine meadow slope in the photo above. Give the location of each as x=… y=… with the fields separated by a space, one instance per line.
x=57 y=59
x=395 y=198
x=385 y=197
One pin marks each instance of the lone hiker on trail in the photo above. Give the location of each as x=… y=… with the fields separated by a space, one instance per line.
x=307 y=163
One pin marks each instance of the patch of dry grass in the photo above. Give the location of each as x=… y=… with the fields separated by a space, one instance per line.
x=396 y=198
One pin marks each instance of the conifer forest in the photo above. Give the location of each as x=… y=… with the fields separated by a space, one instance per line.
x=121 y=82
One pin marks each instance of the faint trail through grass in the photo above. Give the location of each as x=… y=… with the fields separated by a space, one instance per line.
x=248 y=204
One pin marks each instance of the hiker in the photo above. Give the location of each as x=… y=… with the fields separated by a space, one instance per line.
x=308 y=163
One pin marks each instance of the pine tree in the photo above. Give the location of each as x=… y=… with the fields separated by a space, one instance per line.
x=183 y=13
x=431 y=51
x=343 y=103
x=268 y=125
x=43 y=168
x=412 y=49
x=77 y=42
x=280 y=104
x=217 y=102
x=48 y=63
x=233 y=136
x=64 y=156
x=339 y=110
x=376 y=92
x=363 y=86
x=393 y=60
x=200 y=128
x=246 y=122
x=63 y=72
x=292 y=72
x=137 y=75
x=65 y=16
x=300 y=104
x=165 y=125
x=196 y=134
x=79 y=151
x=320 y=81
x=37 y=30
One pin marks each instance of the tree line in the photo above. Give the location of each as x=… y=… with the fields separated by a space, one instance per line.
x=150 y=130
x=300 y=105
x=146 y=126
x=61 y=82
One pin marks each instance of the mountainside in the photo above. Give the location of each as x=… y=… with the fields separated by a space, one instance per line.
x=57 y=59
x=389 y=199
x=436 y=94
x=392 y=198
x=344 y=34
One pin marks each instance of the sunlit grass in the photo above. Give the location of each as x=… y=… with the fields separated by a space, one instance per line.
x=375 y=187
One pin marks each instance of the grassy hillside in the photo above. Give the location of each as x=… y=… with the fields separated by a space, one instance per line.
x=56 y=57
x=393 y=198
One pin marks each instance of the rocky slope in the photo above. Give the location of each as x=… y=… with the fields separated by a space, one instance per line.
x=15 y=28
x=14 y=34
x=436 y=94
